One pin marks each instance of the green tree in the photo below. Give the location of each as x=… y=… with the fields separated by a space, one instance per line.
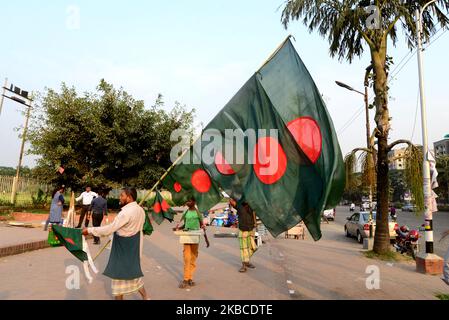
x=9 y=171
x=347 y=27
x=104 y=138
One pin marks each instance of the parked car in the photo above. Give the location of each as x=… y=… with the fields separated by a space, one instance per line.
x=364 y=206
x=409 y=208
x=329 y=214
x=358 y=226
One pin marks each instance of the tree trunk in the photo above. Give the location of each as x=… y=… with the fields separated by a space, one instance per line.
x=382 y=234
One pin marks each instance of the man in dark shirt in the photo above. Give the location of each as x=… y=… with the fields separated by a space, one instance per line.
x=247 y=224
x=99 y=208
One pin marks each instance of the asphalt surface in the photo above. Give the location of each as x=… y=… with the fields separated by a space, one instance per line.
x=332 y=268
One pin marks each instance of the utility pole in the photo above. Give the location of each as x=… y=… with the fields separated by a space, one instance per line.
x=16 y=178
x=20 y=96
x=3 y=95
x=429 y=262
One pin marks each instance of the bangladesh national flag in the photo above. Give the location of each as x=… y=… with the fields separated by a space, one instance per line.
x=287 y=164
x=189 y=178
x=75 y=242
x=161 y=210
x=72 y=239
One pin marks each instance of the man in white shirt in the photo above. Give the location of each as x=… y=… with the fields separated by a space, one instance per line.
x=87 y=197
x=124 y=261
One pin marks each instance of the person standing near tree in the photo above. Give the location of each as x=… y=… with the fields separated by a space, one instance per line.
x=99 y=209
x=87 y=197
x=57 y=204
x=247 y=234
x=124 y=261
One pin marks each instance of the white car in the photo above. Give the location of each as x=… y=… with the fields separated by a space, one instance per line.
x=329 y=214
x=358 y=226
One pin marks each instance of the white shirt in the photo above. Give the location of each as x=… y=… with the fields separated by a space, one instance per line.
x=128 y=222
x=87 y=197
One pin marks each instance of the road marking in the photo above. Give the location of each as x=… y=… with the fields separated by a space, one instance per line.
x=390 y=264
x=291 y=292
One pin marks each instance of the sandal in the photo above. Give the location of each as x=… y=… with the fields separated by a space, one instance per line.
x=191 y=283
x=251 y=266
x=184 y=284
x=242 y=269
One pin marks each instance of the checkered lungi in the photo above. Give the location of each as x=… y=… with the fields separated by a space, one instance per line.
x=247 y=244
x=121 y=287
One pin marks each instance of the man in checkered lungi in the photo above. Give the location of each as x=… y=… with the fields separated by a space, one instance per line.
x=247 y=224
x=124 y=262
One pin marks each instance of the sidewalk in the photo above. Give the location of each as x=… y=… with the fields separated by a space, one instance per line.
x=17 y=240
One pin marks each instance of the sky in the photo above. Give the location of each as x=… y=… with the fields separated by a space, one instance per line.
x=199 y=53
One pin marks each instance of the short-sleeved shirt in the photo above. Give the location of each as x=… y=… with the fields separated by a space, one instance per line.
x=192 y=220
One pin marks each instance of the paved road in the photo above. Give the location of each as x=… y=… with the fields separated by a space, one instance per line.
x=333 y=268
x=440 y=224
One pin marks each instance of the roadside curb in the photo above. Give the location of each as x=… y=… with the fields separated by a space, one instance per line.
x=22 y=248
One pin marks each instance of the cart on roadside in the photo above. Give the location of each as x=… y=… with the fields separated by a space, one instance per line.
x=297 y=232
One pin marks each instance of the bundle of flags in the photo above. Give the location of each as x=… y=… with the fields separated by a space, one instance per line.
x=76 y=243
x=161 y=210
x=292 y=168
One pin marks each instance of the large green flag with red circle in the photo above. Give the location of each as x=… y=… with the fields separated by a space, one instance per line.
x=274 y=146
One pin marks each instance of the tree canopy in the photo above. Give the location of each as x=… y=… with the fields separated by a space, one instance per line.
x=104 y=138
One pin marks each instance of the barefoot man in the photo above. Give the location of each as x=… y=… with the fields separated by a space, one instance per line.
x=247 y=224
x=124 y=262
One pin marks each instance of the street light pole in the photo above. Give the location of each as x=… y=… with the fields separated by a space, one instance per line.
x=429 y=262
x=368 y=132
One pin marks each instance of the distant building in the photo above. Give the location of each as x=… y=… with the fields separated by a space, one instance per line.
x=396 y=159
x=442 y=147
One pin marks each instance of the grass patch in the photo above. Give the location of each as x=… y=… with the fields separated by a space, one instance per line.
x=442 y=296
x=391 y=256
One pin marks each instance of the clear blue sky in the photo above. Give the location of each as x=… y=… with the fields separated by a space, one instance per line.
x=198 y=52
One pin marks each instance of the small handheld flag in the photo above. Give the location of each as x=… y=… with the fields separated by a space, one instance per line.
x=76 y=243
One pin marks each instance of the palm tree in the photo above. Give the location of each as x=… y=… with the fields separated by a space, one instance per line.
x=348 y=27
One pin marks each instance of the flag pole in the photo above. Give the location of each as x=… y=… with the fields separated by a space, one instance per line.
x=148 y=194
x=275 y=52
x=151 y=191
x=185 y=151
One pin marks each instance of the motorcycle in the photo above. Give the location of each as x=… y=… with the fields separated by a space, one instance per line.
x=407 y=241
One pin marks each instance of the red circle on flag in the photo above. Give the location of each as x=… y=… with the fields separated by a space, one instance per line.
x=222 y=165
x=70 y=240
x=157 y=207
x=201 y=181
x=165 y=205
x=177 y=186
x=270 y=161
x=307 y=134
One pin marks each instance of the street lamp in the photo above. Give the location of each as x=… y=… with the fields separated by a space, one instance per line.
x=19 y=96
x=429 y=262
x=368 y=131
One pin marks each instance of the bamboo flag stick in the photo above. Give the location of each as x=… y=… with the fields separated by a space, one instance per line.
x=102 y=249
x=275 y=52
x=151 y=191
x=166 y=173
